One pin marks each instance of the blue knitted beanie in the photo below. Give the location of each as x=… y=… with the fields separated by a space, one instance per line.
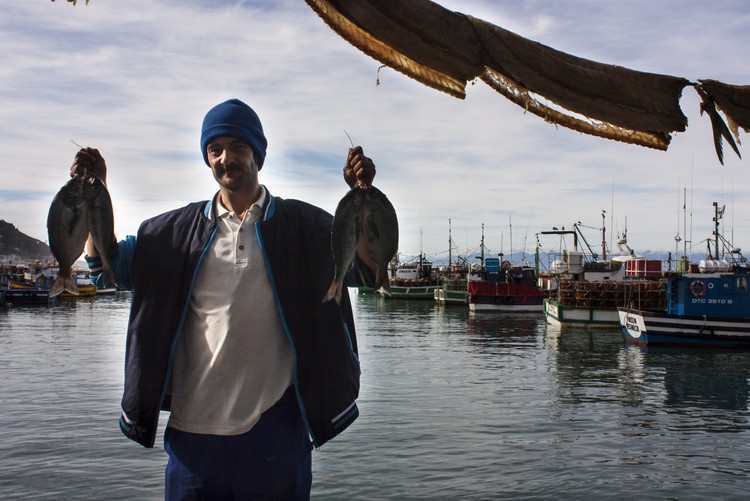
x=235 y=119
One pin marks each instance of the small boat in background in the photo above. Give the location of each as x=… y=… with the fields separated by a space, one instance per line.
x=28 y=295
x=17 y=290
x=507 y=288
x=451 y=291
x=412 y=280
x=497 y=285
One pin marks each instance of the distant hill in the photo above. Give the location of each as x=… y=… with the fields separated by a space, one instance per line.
x=21 y=247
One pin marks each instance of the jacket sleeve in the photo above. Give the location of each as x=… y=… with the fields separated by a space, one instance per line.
x=122 y=260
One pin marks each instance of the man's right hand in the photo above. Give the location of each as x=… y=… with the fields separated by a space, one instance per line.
x=89 y=161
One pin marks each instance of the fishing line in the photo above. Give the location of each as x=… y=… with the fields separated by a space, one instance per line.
x=350 y=138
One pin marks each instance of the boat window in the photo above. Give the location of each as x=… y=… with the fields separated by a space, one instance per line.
x=741 y=283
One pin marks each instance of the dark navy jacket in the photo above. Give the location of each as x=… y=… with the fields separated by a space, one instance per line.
x=160 y=267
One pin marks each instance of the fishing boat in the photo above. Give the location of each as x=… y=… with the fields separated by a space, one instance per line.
x=708 y=309
x=28 y=295
x=499 y=286
x=106 y=291
x=595 y=304
x=17 y=290
x=451 y=291
x=505 y=288
x=17 y=293
x=452 y=288
x=588 y=290
x=412 y=280
x=84 y=291
x=707 y=306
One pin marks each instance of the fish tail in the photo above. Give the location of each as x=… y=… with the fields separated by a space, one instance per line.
x=382 y=282
x=334 y=291
x=64 y=284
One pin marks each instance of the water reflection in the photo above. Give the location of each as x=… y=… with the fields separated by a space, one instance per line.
x=597 y=366
x=708 y=379
x=587 y=366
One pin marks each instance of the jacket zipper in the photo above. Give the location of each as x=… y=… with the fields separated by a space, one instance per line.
x=183 y=316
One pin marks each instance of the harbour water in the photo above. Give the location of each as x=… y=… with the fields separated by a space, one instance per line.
x=453 y=405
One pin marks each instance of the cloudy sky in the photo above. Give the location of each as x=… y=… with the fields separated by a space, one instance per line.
x=135 y=77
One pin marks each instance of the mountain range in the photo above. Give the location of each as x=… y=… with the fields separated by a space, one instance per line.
x=18 y=246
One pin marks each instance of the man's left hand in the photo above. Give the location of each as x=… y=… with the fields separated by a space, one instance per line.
x=359 y=170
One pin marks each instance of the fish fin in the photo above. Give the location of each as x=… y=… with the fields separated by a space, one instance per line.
x=381 y=280
x=334 y=291
x=718 y=125
x=63 y=284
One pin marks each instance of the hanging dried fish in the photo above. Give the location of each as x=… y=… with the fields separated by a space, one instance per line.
x=445 y=50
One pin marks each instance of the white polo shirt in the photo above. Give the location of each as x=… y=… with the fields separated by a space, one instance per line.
x=233 y=361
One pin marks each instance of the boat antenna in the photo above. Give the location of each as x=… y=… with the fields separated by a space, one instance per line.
x=684 y=221
x=420 y=245
x=450 y=244
x=481 y=246
x=604 y=235
x=612 y=212
x=732 y=202
x=685 y=244
x=510 y=224
x=677 y=238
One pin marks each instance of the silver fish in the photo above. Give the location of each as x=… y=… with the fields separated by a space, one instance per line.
x=82 y=206
x=67 y=229
x=363 y=215
x=100 y=223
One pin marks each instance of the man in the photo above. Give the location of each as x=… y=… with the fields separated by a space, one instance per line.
x=227 y=328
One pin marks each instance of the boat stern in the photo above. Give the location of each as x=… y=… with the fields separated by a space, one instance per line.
x=632 y=325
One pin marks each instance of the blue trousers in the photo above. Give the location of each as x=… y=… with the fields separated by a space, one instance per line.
x=271 y=461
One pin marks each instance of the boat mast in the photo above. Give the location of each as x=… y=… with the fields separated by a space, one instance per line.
x=510 y=224
x=677 y=238
x=684 y=223
x=450 y=244
x=604 y=235
x=420 y=245
x=481 y=247
x=718 y=213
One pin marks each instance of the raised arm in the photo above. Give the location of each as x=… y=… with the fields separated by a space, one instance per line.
x=359 y=170
x=89 y=161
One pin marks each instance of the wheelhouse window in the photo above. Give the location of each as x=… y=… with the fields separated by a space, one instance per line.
x=741 y=283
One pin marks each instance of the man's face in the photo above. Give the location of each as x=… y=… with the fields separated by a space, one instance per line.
x=233 y=163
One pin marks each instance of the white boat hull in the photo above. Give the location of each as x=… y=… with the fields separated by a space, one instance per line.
x=571 y=316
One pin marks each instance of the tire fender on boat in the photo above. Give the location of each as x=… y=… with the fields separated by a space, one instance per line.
x=697 y=288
